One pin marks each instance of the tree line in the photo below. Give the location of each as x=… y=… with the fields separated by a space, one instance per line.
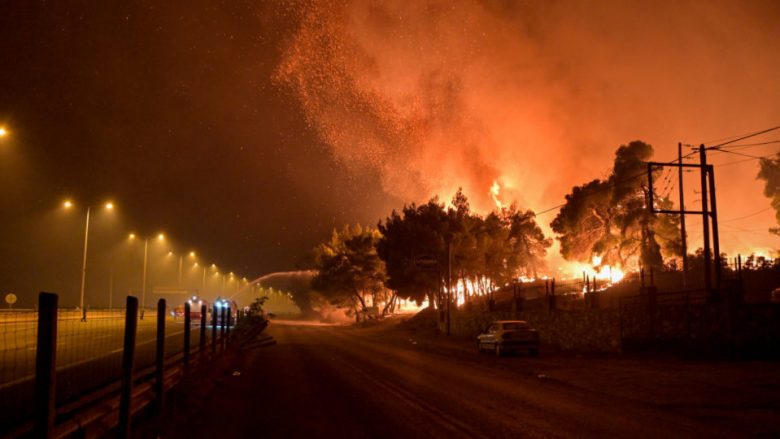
x=405 y=257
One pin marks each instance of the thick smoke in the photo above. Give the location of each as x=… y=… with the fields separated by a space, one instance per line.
x=536 y=96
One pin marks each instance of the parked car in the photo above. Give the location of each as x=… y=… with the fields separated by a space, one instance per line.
x=509 y=336
x=775 y=296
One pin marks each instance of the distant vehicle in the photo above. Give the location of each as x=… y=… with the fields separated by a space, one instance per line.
x=775 y=296
x=224 y=304
x=195 y=304
x=509 y=336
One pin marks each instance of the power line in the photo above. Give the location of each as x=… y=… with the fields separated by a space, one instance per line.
x=757 y=133
x=754 y=157
x=735 y=162
x=753 y=145
x=748 y=215
x=724 y=138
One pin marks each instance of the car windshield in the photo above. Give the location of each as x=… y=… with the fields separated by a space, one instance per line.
x=515 y=326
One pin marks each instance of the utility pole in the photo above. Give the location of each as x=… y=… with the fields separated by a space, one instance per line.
x=708 y=212
x=683 y=235
x=705 y=221
x=714 y=216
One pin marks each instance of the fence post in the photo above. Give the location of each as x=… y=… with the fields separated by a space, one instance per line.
x=159 y=359
x=202 y=332
x=213 y=330
x=128 y=357
x=187 y=325
x=45 y=362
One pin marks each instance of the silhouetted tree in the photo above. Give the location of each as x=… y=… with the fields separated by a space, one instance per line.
x=416 y=231
x=609 y=218
x=486 y=252
x=770 y=173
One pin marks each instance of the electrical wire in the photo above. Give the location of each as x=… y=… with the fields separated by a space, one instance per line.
x=752 y=145
x=757 y=133
x=747 y=216
x=745 y=155
x=725 y=138
x=735 y=162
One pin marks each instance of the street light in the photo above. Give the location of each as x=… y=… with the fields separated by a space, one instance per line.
x=3 y=132
x=191 y=255
x=160 y=237
x=67 y=204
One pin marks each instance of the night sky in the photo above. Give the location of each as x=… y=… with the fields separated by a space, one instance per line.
x=249 y=130
x=168 y=111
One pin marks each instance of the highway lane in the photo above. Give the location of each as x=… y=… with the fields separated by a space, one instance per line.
x=321 y=381
x=88 y=357
x=77 y=342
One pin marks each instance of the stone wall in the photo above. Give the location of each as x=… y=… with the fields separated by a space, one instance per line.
x=595 y=330
x=751 y=328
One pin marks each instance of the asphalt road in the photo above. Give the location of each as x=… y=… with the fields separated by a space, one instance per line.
x=391 y=381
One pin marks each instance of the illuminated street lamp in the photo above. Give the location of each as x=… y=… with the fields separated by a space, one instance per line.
x=160 y=237
x=3 y=132
x=181 y=263
x=67 y=204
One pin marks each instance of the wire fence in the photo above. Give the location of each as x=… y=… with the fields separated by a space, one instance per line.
x=89 y=349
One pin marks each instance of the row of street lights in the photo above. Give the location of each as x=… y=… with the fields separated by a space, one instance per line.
x=109 y=206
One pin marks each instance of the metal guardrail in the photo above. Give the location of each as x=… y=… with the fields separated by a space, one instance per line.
x=56 y=410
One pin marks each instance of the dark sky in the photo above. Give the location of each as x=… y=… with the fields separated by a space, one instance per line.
x=249 y=130
x=170 y=112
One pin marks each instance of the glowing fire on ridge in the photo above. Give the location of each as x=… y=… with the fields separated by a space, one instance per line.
x=606 y=275
x=494 y=191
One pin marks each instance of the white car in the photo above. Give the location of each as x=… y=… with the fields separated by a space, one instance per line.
x=509 y=336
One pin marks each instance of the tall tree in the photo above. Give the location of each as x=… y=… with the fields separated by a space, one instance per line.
x=609 y=218
x=417 y=231
x=527 y=242
x=349 y=268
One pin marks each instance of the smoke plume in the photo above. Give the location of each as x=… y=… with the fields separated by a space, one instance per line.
x=534 y=96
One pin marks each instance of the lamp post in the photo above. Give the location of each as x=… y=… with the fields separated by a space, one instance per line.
x=67 y=205
x=160 y=237
x=181 y=261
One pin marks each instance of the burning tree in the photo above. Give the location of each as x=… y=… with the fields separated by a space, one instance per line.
x=608 y=219
x=485 y=252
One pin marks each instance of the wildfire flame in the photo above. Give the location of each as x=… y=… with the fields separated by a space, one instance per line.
x=494 y=192
x=606 y=275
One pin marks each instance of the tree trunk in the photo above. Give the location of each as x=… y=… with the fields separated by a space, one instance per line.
x=389 y=305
